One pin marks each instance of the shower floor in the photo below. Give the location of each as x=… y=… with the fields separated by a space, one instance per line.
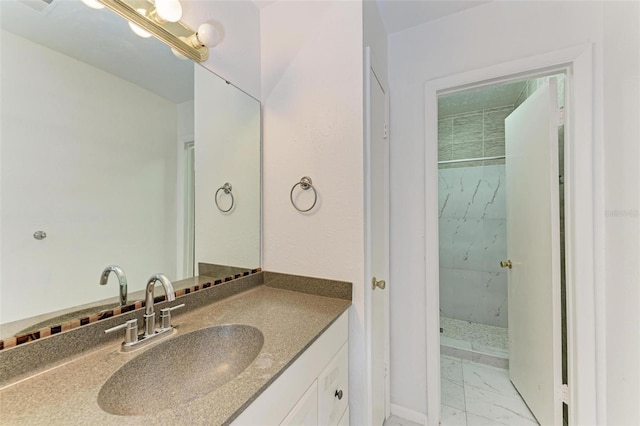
x=487 y=344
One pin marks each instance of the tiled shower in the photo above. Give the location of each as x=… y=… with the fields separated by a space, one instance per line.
x=472 y=230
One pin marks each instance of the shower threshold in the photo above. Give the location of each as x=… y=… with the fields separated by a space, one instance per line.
x=475 y=342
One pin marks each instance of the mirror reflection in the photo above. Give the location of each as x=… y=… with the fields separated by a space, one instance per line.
x=113 y=152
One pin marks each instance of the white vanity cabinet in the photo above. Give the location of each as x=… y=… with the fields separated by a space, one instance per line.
x=313 y=391
x=305 y=412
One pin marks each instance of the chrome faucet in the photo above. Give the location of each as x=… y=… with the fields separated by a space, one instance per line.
x=149 y=314
x=132 y=340
x=122 y=279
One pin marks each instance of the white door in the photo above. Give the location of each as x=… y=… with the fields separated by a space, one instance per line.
x=533 y=247
x=379 y=249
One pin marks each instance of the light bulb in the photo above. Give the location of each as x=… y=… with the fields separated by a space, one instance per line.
x=93 y=4
x=139 y=31
x=136 y=29
x=169 y=10
x=208 y=35
x=178 y=55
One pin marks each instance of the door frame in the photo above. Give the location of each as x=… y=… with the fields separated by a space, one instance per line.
x=583 y=196
x=181 y=154
x=371 y=63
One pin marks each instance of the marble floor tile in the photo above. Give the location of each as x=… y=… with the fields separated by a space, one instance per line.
x=452 y=417
x=398 y=421
x=451 y=369
x=474 y=420
x=452 y=394
x=505 y=409
x=475 y=394
x=490 y=379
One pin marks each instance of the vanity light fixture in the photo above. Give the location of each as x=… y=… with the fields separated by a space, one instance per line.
x=136 y=29
x=169 y=10
x=206 y=36
x=93 y=4
x=161 y=19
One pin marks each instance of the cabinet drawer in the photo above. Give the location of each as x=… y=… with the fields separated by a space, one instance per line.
x=333 y=388
x=305 y=412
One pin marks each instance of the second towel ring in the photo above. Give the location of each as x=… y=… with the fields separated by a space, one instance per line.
x=227 y=190
x=305 y=183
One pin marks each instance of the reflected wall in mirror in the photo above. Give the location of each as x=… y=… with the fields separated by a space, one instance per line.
x=101 y=134
x=233 y=237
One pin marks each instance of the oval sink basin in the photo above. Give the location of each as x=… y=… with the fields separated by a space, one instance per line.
x=180 y=370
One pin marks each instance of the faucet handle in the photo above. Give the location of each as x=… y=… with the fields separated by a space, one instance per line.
x=165 y=316
x=131 y=330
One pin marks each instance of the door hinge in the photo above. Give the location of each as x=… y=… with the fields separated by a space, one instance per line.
x=386 y=130
x=564 y=393
x=561 y=117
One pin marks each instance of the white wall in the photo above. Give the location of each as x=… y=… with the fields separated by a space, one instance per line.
x=227 y=149
x=621 y=105
x=237 y=57
x=312 y=80
x=185 y=121
x=489 y=34
x=90 y=159
x=375 y=36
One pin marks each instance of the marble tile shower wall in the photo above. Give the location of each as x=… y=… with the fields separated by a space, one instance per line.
x=472 y=211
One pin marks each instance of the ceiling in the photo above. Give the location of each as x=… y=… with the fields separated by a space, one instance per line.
x=398 y=15
x=102 y=39
x=480 y=98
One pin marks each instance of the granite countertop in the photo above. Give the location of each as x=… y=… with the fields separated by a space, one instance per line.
x=290 y=320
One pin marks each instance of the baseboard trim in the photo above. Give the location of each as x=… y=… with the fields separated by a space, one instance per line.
x=408 y=414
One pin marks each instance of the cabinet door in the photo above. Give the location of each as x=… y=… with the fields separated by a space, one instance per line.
x=333 y=388
x=305 y=412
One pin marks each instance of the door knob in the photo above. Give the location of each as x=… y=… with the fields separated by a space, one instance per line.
x=380 y=284
x=506 y=264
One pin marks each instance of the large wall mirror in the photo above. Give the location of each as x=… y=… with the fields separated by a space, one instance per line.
x=122 y=154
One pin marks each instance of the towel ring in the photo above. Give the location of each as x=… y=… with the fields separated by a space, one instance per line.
x=305 y=183
x=227 y=190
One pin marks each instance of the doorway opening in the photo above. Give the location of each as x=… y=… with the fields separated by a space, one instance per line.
x=472 y=226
